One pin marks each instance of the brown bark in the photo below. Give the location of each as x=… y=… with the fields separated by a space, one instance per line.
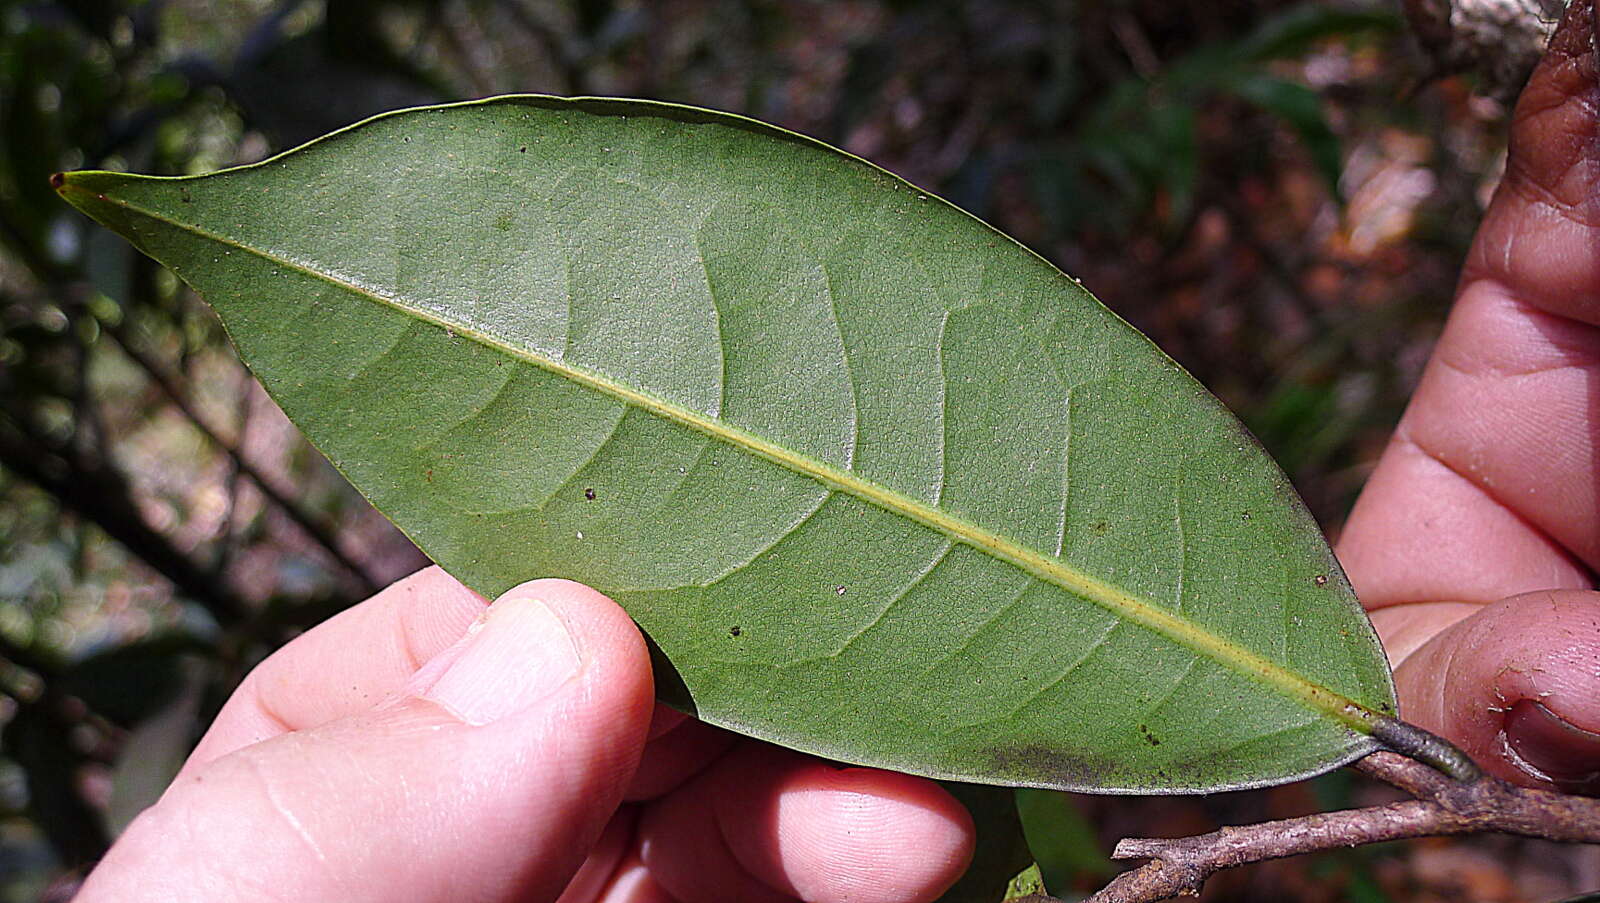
x=1443 y=806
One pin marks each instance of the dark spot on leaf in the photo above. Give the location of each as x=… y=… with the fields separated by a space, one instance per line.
x=589 y=494
x=1067 y=766
x=523 y=149
x=1100 y=527
x=428 y=475
x=1144 y=731
x=1085 y=767
x=1244 y=515
x=1320 y=580
x=734 y=630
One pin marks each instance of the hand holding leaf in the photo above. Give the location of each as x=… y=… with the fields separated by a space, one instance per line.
x=880 y=484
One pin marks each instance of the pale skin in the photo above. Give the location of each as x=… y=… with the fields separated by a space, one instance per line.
x=383 y=757
x=406 y=750
x=1477 y=538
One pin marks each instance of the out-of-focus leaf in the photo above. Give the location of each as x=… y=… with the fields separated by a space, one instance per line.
x=40 y=741
x=1062 y=841
x=1301 y=108
x=129 y=684
x=1001 y=850
x=1293 y=33
x=285 y=89
x=153 y=753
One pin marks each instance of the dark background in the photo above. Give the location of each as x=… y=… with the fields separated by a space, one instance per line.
x=1278 y=194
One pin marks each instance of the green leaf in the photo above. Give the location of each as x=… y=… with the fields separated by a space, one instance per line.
x=1062 y=840
x=1001 y=850
x=1301 y=108
x=154 y=753
x=1297 y=31
x=128 y=684
x=1027 y=883
x=880 y=483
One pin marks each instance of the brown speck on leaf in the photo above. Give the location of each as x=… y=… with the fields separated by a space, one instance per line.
x=1320 y=580
x=589 y=494
x=428 y=475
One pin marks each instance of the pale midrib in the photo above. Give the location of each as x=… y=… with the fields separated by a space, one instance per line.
x=1123 y=604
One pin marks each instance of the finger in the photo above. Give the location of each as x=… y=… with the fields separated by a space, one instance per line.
x=344 y=665
x=488 y=778
x=601 y=867
x=1423 y=532
x=1515 y=686
x=1538 y=236
x=633 y=883
x=679 y=748
x=1405 y=628
x=1491 y=486
x=767 y=824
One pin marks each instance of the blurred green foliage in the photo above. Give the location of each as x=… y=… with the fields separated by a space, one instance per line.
x=1236 y=178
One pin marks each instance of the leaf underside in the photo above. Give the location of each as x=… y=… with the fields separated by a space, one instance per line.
x=880 y=483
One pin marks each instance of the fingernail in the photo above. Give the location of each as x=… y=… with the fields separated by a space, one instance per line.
x=1548 y=746
x=516 y=654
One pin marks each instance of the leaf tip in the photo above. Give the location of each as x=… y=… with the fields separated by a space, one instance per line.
x=70 y=186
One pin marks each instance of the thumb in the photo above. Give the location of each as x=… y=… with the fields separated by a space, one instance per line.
x=487 y=778
x=1516 y=686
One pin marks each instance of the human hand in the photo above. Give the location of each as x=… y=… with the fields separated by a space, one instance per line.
x=417 y=748
x=1476 y=541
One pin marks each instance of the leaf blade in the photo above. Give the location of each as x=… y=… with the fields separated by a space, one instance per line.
x=664 y=358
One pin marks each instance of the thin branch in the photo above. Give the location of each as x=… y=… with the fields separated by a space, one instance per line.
x=1181 y=865
x=1136 y=45
x=1413 y=742
x=228 y=546
x=323 y=537
x=100 y=496
x=450 y=27
x=40 y=739
x=1406 y=774
x=562 y=57
x=27 y=657
x=37 y=261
